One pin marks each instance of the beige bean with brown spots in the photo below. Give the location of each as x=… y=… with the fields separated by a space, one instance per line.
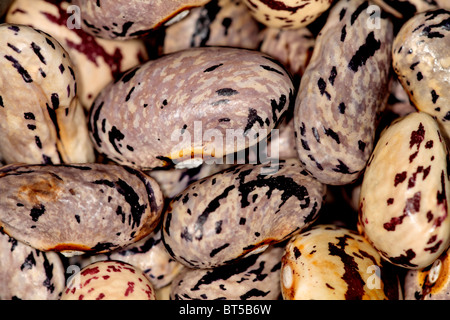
x=109 y=280
x=403 y=208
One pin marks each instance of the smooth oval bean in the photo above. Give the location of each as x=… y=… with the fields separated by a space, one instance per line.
x=287 y=14
x=253 y=278
x=97 y=61
x=343 y=89
x=403 y=208
x=27 y=273
x=78 y=208
x=421 y=61
x=198 y=104
x=109 y=280
x=226 y=216
x=334 y=263
x=42 y=120
x=430 y=283
x=121 y=19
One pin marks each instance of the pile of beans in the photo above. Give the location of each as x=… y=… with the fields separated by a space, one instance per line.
x=224 y=149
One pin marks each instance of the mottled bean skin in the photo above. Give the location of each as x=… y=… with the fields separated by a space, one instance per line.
x=184 y=105
x=256 y=277
x=109 y=280
x=403 y=208
x=121 y=19
x=334 y=263
x=287 y=14
x=293 y=48
x=78 y=208
x=421 y=61
x=97 y=61
x=42 y=119
x=430 y=283
x=217 y=23
x=344 y=88
x=27 y=273
x=226 y=216
x=148 y=254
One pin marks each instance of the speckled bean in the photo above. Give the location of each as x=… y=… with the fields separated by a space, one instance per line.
x=124 y=19
x=238 y=212
x=198 y=104
x=329 y=262
x=287 y=14
x=97 y=61
x=403 y=208
x=343 y=89
x=217 y=23
x=430 y=283
x=421 y=61
x=77 y=208
x=109 y=280
x=42 y=120
x=253 y=278
x=27 y=273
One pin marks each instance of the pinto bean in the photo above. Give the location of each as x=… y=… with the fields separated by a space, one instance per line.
x=42 y=119
x=78 y=208
x=344 y=88
x=240 y=211
x=196 y=105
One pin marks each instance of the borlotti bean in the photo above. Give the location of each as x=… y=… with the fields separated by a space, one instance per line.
x=42 y=119
x=403 y=208
x=109 y=280
x=240 y=211
x=78 y=208
x=121 y=19
x=27 y=273
x=217 y=23
x=287 y=14
x=430 y=283
x=256 y=277
x=97 y=61
x=191 y=106
x=329 y=262
x=344 y=88
x=421 y=61
x=148 y=254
